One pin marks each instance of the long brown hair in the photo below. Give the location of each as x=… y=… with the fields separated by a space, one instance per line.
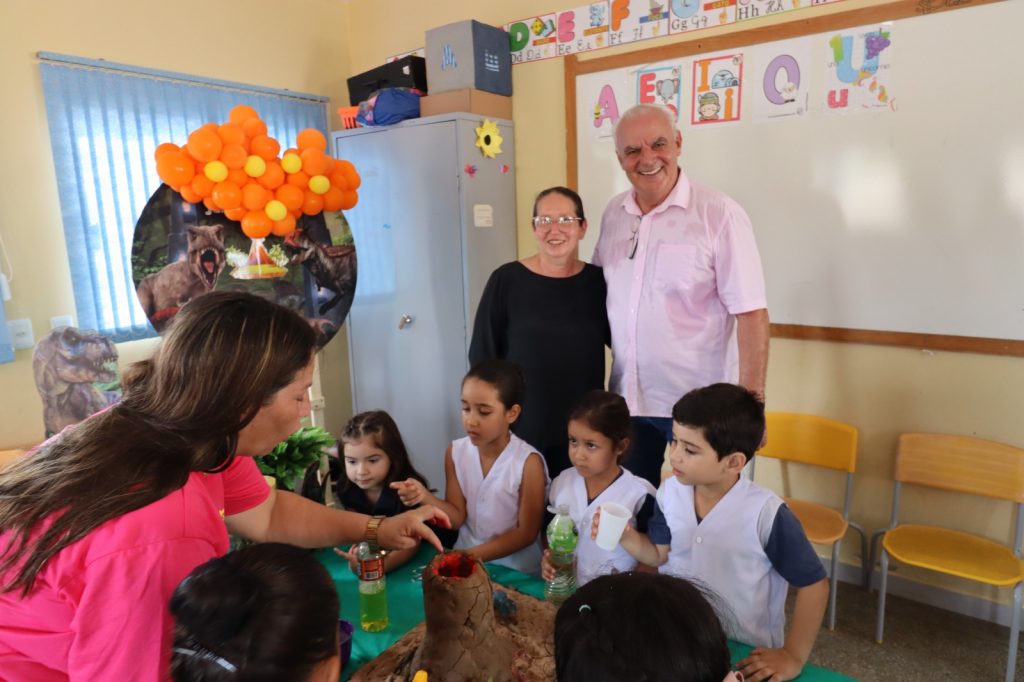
x=225 y=356
x=384 y=434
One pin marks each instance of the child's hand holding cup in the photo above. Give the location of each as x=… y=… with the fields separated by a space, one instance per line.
x=609 y=523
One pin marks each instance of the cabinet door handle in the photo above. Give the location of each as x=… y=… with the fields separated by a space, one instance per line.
x=404 y=321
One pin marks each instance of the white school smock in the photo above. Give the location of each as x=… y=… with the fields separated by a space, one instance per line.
x=492 y=503
x=570 y=488
x=726 y=553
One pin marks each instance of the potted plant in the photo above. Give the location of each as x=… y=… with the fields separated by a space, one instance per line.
x=290 y=459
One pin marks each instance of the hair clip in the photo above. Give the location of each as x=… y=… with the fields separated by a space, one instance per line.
x=585 y=606
x=205 y=654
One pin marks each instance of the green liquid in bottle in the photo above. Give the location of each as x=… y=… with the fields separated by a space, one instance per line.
x=373 y=605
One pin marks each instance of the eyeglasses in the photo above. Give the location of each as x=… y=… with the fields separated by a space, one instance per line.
x=546 y=220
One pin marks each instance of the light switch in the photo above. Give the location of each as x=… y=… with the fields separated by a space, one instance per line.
x=21 y=333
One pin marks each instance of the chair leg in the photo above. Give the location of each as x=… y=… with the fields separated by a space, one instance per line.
x=833 y=584
x=1011 y=657
x=875 y=537
x=865 y=567
x=880 y=623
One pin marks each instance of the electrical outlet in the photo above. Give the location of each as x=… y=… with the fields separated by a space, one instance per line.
x=21 y=333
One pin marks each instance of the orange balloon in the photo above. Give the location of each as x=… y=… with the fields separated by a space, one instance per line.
x=264 y=147
x=312 y=203
x=231 y=133
x=233 y=155
x=256 y=224
x=238 y=176
x=285 y=226
x=236 y=213
x=204 y=145
x=353 y=179
x=330 y=166
x=342 y=165
x=339 y=180
x=299 y=179
x=254 y=197
x=291 y=196
x=254 y=127
x=227 y=195
x=175 y=168
x=202 y=186
x=165 y=148
x=311 y=138
x=273 y=177
x=242 y=113
x=188 y=195
x=333 y=199
x=211 y=204
x=314 y=161
x=351 y=199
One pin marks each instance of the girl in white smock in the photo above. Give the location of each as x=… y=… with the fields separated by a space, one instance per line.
x=496 y=482
x=599 y=429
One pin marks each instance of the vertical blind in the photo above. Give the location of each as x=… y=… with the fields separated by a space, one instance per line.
x=105 y=122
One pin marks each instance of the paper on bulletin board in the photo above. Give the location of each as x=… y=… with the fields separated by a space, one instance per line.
x=660 y=85
x=717 y=89
x=858 y=72
x=692 y=15
x=635 y=20
x=533 y=38
x=583 y=28
x=779 y=75
x=483 y=215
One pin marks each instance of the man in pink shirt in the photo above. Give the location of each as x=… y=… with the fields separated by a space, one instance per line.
x=686 y=296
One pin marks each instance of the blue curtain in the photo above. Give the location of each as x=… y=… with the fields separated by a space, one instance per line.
x=6 y=347
x=105 y=122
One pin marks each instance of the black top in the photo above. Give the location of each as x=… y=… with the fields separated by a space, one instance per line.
x=354 y=499
x=556 y=329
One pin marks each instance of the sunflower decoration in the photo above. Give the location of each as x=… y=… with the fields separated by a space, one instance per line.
x=488 y=139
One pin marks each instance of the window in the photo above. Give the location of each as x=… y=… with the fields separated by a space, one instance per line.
x=105 y=122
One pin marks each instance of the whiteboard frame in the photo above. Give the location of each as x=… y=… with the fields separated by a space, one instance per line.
x=895 y=9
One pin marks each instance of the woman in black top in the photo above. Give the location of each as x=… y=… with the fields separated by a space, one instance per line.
x=547 y=314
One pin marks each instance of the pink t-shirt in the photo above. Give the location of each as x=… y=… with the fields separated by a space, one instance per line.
x=98 y=610
x=672 y=306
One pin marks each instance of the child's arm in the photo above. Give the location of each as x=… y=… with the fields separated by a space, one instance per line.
x=788 y=662
x=531 y=513
x=638 y=544
x=413 y=493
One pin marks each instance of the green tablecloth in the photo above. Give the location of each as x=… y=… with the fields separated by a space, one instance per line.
x=405 y=608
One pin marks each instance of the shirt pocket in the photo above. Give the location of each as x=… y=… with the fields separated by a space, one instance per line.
x=675 y=266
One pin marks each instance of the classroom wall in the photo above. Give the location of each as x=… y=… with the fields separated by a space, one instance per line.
x=312 y=46
x=296 y=45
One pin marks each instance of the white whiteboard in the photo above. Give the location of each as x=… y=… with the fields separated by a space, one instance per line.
x=908 y=218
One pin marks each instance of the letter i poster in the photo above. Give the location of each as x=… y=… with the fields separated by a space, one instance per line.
x=858 y=73
x=717 y=87
x=583 y=28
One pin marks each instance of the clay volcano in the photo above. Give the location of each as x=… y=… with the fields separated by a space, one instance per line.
x=463 y=639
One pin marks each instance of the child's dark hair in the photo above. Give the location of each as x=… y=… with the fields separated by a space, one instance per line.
x=265 y=612
x=647 y=627
x=382 y=429
x=606 y=413
x=507 y=377
x=730 y=416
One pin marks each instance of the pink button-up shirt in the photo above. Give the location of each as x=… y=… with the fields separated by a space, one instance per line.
x=672 y=306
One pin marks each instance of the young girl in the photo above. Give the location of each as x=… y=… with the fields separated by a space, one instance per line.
x=598 y=439
x=373 y=456
x=495 y=481
x=265 y=612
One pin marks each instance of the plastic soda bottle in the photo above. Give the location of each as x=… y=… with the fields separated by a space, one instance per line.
x=373 y=597
x=562 y=539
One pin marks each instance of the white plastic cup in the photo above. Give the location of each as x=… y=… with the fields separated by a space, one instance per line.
x=614 y=518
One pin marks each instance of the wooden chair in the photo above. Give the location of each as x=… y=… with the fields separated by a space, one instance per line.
x=817 y=441
x=968 y=465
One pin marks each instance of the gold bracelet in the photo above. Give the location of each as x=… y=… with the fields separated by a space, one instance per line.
x=371 y=530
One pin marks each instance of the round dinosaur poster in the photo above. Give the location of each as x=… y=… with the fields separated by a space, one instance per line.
x=182 y=250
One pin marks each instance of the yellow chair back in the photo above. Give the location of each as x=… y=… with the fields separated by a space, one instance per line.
x=810 y=439
x=961 y=464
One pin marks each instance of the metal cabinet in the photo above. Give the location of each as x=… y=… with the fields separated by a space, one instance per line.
x=435 y=217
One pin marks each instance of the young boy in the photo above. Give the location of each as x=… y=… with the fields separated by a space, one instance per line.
x=742 y=541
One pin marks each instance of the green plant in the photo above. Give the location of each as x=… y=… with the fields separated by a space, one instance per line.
x=290 y=459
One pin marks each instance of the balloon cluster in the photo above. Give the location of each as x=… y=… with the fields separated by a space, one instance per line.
x=234 y=167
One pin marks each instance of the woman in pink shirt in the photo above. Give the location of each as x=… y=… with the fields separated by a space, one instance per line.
x=101 y=522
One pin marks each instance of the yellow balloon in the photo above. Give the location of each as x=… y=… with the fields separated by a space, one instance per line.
x=216 y=171
x=255 y=166
x=319 y=184
x=291 y=163
x=275 y=210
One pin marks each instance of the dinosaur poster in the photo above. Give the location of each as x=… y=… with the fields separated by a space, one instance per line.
x=181 y=250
